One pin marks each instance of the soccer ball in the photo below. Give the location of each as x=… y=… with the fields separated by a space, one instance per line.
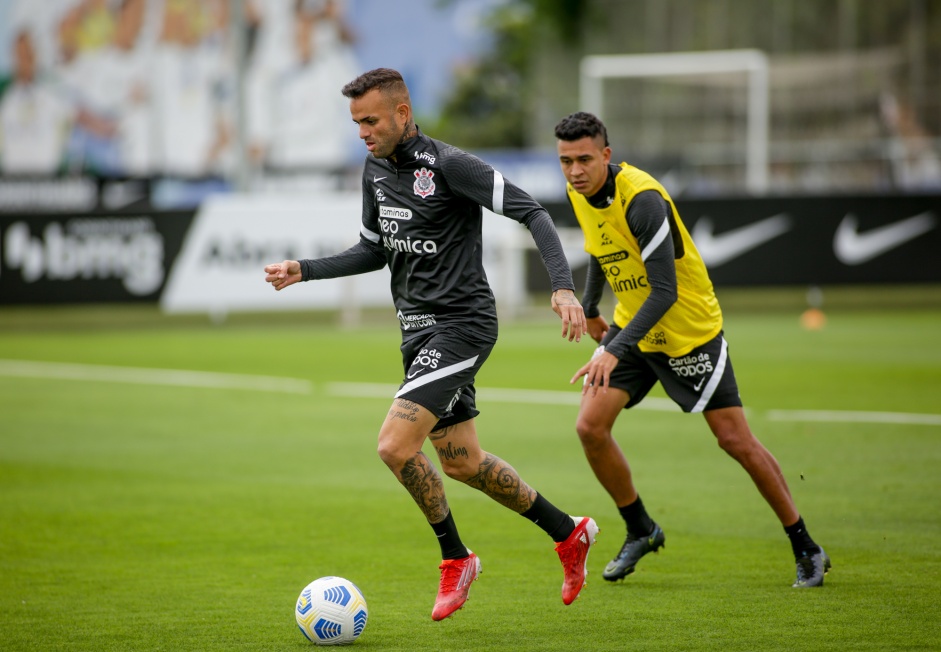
x=331 y=611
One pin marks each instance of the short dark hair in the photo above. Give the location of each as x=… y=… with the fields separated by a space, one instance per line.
x=387 y=80
x=581 y=125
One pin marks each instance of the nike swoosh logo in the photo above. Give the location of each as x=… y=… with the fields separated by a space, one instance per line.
x=410 y=376
x=719 y=249
x=376 y=179
x=854 y=248
x=699 y=384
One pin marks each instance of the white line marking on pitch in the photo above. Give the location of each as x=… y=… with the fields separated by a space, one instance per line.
x=213 y=380
x=855 y=417
x=549 y=397
x=142 y=376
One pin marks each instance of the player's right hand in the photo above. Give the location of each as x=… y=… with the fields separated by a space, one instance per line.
x=597 y=372
x=281 y=275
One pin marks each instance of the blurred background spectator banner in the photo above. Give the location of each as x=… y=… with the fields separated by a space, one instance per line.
x=155 y=88
x=190 y=91
x=245 y=94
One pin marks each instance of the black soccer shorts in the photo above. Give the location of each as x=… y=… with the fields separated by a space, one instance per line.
x=440 y=367
x=701 y=380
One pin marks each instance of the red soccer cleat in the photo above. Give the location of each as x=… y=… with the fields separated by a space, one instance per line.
x=573 y=553
x=456 y=578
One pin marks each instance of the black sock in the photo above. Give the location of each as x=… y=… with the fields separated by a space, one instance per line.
x=638 y=522
x=801 y=542
x=449 y=539
x=556 y=523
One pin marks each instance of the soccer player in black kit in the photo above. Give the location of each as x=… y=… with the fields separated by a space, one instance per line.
x=421 y=216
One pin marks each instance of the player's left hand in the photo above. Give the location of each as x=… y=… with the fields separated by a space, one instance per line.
x=597 y=372
x=570 y=310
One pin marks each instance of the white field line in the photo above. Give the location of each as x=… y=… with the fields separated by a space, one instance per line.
x=855 y=417
x=142 y=376
x=549 y=397
x=213 y=380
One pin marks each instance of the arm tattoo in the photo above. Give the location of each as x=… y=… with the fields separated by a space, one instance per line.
x=421 y=479
x=501 y=482
x=566 y=300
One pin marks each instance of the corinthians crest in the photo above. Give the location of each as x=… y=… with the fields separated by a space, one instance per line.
x=424 y=185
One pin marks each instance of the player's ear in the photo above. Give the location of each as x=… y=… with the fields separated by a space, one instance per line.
x=606 y=155
x=403 y=113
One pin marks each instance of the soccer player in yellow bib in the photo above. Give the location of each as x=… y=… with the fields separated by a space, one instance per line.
x=667 y=328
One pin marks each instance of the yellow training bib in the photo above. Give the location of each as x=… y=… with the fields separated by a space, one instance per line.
x=695 y=318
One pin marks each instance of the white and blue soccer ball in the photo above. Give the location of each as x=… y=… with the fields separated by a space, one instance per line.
x=331 y=611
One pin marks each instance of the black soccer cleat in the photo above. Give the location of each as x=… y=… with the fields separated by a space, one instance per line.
x=811 y=570
x=633 y=549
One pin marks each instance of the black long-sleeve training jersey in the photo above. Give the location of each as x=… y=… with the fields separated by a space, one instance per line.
x=422 y=217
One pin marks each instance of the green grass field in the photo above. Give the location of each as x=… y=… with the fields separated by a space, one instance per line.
x=147 y=512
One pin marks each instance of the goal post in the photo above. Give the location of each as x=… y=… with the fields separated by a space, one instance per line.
x=595 y=69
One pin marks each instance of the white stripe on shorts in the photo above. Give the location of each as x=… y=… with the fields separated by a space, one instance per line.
x=714 y=379
x=436 y=374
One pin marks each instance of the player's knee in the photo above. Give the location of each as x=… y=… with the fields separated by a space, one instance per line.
x=460 y=468
x=591 y=433
x=391 y=455
x=735 y=442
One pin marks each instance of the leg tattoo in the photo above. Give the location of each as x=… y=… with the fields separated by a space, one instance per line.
x=440 y=433
x=405 y=410
x=421 y=479
x=501 y=482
